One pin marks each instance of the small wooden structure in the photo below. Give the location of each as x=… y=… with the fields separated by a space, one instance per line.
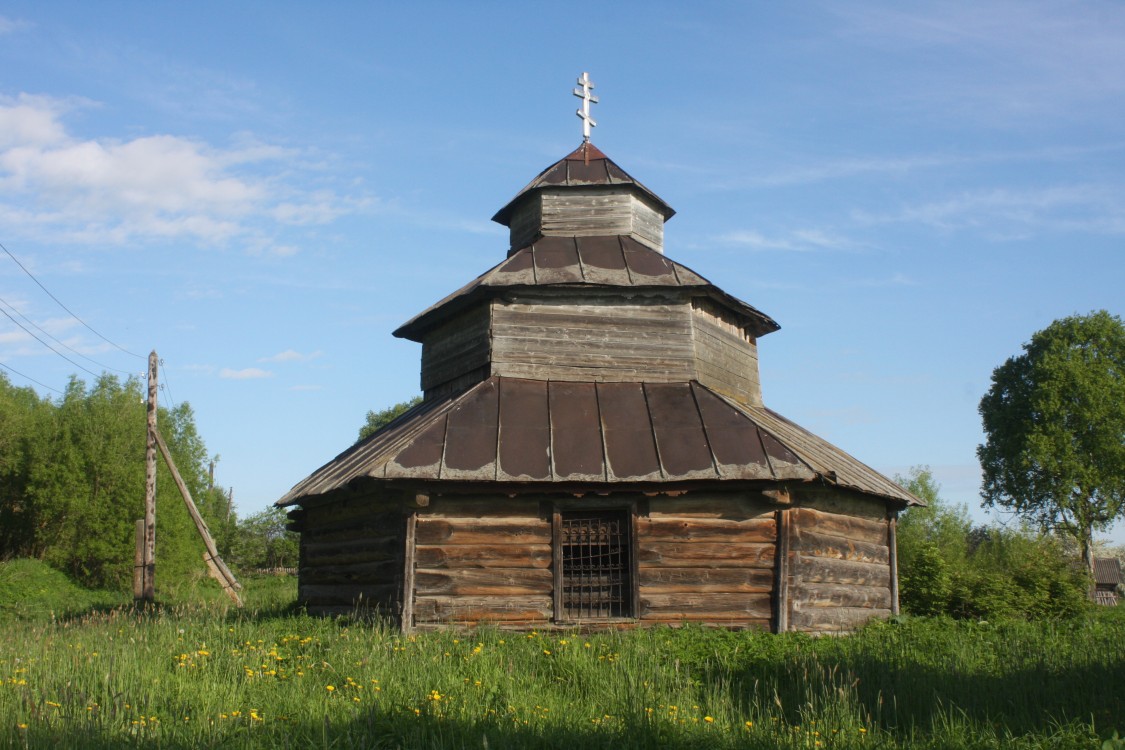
x=593 y=450
x=1109 y=582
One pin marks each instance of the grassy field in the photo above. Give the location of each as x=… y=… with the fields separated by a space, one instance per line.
x=90 y=672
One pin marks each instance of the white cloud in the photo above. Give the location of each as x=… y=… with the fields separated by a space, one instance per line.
x=797 y=240
x=12 y=25
x=291 y=355
x=248 y=373
x=60 y=187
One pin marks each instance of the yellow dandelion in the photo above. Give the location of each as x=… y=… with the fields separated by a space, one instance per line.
x=709 y=719
x=330 y=688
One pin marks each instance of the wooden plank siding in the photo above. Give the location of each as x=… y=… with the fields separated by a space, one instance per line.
x=706 y=557
x=597 y=211
x=593 y=340
x=726 y=356
x=482 y=561
x=456 y=349
x=840 y=564
x=352 y=556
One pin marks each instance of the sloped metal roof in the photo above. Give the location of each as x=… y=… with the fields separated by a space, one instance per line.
x=1107 y=571
x=583 y=167
x=609 y=261
x=537 y=431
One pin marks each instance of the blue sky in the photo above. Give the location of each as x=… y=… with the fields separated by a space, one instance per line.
x=263 y=191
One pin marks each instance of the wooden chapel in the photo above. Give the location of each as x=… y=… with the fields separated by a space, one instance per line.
x=593 y=451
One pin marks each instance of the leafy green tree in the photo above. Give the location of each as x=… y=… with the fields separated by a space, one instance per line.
x=932 y=546
x=1054 y=423
x=262 y=542
x=377 y=420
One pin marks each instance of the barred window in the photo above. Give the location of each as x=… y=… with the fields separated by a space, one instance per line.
x=596 y=568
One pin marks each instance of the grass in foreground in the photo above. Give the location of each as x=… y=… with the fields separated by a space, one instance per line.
x=204 y=675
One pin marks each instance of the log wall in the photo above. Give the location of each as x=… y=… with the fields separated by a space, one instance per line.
x=840 y=572
x=707 y=558
x=593 y=341
x=726 y=355
x=485 y=560
x=577 y=212
x=351 y=556
x=455 y=354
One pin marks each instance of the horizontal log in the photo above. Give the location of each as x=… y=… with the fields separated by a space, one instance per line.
x=377 y=530
x=704 y=555
x=481 y=582
x=811 y=544
x=847 y=527
x=736 y=507
x=707 y=530
x=494 y=506
x=835 y=619
x=373 y=572
x=735 y=579
x=757 y=606
x=368 y=506
x=832 y=570
x=483 y=556
x=333 y=553
x=480 y=531
x=528 y=609
x=842 y=502
x=812 y=595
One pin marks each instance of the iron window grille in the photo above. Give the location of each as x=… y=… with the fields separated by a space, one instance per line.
x=596 y=565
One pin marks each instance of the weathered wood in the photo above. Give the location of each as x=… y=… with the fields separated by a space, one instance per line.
x=139 y=561
x=835 y=619
x=754 y=606
x=477 y=582
x=842 y=502
x=148 y=588
x=781 y=571
x=892 y=547
x=342 y=553
x=365 y=572
x=406 y=595
x=526 y=609
x=598 y=211
x=359 y=527
x=215 y=565
x=456 y=347
x=833 y=570
x=489 y=506
x=824 y=545
x=475 y=531
x=484 y=556
x=704 y=580
x=381 y=595
x=747 y=508
x=846 y=527
x=702 y=555
x=842 y=595
x=706 y=530
x=726 y=354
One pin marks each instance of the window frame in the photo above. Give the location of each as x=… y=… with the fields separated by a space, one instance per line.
x=629 y=509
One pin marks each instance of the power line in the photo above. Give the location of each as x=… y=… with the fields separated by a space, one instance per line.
x=60 y=304
x=164 y=384
x=44 y=343
x=14 y=309
x=33 y=380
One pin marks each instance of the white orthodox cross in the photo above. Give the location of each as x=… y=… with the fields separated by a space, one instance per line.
x=587 y=98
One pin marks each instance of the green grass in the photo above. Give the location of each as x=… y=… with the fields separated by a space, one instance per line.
x=202 y=674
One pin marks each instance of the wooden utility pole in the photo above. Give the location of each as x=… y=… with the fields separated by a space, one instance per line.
x=148 y=587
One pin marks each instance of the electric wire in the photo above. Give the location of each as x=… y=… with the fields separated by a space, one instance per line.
x=33 y=380
x=44 y=343
x=14 y=309
x=60 y=304
x=164 y=383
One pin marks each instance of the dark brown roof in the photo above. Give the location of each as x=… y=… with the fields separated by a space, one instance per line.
x=583 y=167
x=537 y=431
x=614 y=261
x=1107 y=571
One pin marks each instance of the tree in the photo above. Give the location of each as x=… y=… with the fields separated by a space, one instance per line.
x=377 y=420
x=1054 y=423
x=263 y=543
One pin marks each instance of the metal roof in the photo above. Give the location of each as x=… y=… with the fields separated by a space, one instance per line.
x=1107 y=571
x=585 y=166
x=537 y=431
x=609 y=261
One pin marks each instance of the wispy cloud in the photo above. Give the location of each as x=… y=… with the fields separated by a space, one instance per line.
x=291 y=355
x=249 y=373
x=12 y=25
x=797 y=240
x=57 y=186
x=1007 y=213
